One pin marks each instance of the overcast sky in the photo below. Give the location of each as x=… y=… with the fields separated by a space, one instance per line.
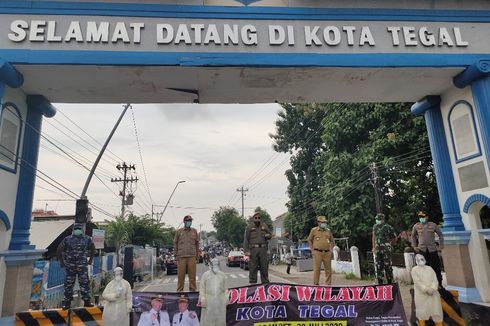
x=214 y=148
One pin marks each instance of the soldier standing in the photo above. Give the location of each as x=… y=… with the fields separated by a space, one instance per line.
x=75 y=253
x=186 y=250
x=383 y=238
x=255 y=245
x=321 y=245
x=424 y=242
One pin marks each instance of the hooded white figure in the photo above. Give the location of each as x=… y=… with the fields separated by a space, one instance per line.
x=427 y=298
x=118 y=300
x=213 y=296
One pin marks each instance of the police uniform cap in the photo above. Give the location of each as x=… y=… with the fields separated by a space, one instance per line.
x=182 y=298
x=158 y=298
x=187 y=218
x=321 y=218
x=77 y=225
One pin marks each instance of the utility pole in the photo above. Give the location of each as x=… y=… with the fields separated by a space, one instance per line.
x=242 y=190
x=125 y=180
x=376 y=185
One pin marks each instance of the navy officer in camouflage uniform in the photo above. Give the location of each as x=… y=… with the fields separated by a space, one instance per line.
x=383 y=238
x=75 y=253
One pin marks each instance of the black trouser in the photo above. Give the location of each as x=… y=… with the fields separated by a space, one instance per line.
x=288 y=270
x=434 y=261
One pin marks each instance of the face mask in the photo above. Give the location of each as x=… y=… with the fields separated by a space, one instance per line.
x=257 y=223
x=118 y=276
x=77 y=232
x=422 y=220
x=188 y=224
x=378 y=222
x=323 y=225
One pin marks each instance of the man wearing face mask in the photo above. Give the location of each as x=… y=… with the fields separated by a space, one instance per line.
x=321 y=245
x=75 y=253
x=255 y=245
x=427 y=299
x=118 y=300
x=383 y=238
x=423 y=242
x=212 y=296
x=186 y=250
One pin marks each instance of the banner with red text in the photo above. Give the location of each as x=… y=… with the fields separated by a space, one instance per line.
x=277 y=304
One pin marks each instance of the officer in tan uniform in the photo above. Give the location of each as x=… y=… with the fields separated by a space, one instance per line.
x=186 y=250
x=321 y=245
x=424 y=242
x=255 y=245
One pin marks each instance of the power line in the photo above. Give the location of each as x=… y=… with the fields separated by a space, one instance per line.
x=117 y=158
x=141 y=155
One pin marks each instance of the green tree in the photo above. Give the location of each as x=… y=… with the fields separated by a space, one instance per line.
x=330 y=172
x=229 y=225
x=299 y=132
x=117 y=233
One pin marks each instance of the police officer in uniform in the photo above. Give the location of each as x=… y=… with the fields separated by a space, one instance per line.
x=185 y=317
x=75 y=253
x=383 y=238
x=321 y=245
x=186 y=249
x=255 y=245
x=424 y=242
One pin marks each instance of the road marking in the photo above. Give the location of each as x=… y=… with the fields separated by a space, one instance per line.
x=243 y=275
x=233 y=275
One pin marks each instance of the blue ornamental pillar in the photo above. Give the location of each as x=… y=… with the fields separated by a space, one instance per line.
x=430 y=107
x=37 y=106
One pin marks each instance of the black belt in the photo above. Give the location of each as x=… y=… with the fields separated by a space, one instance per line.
x=321 y=250
x=258 y=246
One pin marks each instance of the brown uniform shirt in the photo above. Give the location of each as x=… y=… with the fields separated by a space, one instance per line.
x=186 y=242
x=321 y=239
x=423 y=236
x=256 y=235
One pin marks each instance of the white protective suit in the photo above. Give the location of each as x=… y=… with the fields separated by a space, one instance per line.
x=427 y=298
x=213 y=296
x=118 y=301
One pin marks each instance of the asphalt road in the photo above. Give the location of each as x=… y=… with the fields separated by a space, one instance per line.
x=236 y=277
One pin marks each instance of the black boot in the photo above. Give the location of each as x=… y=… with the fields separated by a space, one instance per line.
x=87 y=303
x=65 y=304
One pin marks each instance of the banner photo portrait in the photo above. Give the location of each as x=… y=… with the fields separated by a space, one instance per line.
x=165 y=309
x=277 y=304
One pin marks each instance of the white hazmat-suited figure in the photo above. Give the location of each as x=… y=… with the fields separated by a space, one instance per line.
x=118 y=300
x=427 y=298
x=213 y=296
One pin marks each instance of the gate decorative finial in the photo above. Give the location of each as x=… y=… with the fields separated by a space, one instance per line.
x=247 y=2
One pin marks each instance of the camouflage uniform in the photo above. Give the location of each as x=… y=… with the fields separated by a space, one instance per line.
x=77 y=253
x=383 y=235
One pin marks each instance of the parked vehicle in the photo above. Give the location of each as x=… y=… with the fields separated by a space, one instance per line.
x=171 y=265
x=234 y=258
x=244 y=262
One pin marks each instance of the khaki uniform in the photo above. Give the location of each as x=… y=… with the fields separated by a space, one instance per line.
x=186 y=245
x=321 y=242
x=255 y=241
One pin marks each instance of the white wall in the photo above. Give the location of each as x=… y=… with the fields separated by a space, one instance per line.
x=8 y=188
x=9 y=180
x=477 y=248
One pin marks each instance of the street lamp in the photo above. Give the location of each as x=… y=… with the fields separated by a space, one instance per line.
x=168 y=201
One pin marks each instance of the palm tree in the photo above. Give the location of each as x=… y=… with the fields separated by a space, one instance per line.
x=117 y=232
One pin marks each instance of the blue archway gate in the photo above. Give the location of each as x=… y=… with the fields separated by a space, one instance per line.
x=225 y=51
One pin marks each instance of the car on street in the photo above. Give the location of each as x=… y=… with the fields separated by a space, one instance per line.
x=234 y=258
x=171 y=265
x=244 y=262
